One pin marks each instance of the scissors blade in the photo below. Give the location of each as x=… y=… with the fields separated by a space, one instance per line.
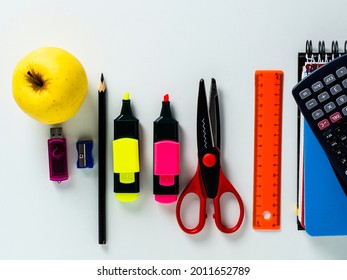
x=208 y=154
x=204 y=136
x=214 y=113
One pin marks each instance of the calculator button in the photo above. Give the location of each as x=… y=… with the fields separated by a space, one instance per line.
x=341 y=72
x=335 y=117
x=317 y=114
x=317 y=86
x=323 y=96
x=328 y=135
x=338 y=152
x=304 y=93
x=333 y=144
x=329 y=107
x=338 y=130
x=335 y=89
x=323 y=124
x=344 y=111
x=311 y=104
x=341 y=100
x=344 y=83
x=329 y=79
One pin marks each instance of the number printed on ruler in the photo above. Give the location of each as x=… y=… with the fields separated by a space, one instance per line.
x=267 y=149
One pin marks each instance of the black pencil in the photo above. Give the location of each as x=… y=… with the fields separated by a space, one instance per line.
x=102 y=160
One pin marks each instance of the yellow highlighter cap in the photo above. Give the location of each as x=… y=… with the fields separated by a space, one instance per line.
x=127 y=197
x=126 y=159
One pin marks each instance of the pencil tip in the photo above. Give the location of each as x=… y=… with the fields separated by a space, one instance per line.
x=102 y=85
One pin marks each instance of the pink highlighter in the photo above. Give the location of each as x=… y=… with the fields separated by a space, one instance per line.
x=166 y=156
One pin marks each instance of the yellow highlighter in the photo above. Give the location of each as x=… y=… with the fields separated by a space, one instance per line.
x=126 y=163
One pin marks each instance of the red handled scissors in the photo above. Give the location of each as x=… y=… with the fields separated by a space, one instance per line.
x=209 y=180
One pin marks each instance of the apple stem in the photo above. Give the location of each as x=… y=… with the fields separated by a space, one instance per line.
x=35 y=79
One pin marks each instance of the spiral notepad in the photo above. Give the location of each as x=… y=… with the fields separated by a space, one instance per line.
x=322 y=205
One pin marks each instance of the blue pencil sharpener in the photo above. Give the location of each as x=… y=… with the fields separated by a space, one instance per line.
x=85 y=157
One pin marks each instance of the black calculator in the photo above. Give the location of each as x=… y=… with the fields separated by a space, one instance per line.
x=322 y=99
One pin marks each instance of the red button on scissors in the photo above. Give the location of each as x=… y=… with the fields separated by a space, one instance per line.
x=209 y=180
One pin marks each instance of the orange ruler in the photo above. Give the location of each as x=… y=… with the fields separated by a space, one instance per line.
x=267 y=149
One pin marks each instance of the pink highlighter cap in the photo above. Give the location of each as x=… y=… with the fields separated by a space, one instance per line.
x=166 y=161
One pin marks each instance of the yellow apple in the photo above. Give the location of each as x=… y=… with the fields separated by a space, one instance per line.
x=49 y=84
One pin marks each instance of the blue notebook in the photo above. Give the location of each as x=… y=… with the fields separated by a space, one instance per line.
x=325 y=203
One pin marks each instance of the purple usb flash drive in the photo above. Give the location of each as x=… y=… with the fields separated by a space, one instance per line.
x=57 y=156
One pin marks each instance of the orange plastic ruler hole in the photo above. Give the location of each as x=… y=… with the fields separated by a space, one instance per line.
x=267 y=149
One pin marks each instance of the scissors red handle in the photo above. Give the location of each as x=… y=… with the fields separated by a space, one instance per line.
x=226 y=187
x=194 y=187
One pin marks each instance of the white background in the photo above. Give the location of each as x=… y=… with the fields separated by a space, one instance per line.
x=150 y=48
